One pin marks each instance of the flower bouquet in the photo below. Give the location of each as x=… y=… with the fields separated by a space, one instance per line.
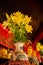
x=19 y=25
x=15 y=31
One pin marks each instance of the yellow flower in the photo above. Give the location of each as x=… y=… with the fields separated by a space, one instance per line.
x=38 y=46
x=34 y=54
x=7 y=16
x=28 y=28
x=30 y=50
x=41 y=47
x=19 y=20
x=27 y=19
x=17 y=13
x=13 y=18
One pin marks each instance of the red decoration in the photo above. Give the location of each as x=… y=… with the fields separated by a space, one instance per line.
x=38 y=38
x=4 y=33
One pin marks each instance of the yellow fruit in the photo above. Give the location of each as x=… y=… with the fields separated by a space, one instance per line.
x=4 y=51
x=8 y=55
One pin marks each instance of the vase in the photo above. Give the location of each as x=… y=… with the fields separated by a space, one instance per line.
x=19 y=54
x=19 y=46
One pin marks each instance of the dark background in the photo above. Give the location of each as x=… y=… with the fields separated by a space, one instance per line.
x=33 y=8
